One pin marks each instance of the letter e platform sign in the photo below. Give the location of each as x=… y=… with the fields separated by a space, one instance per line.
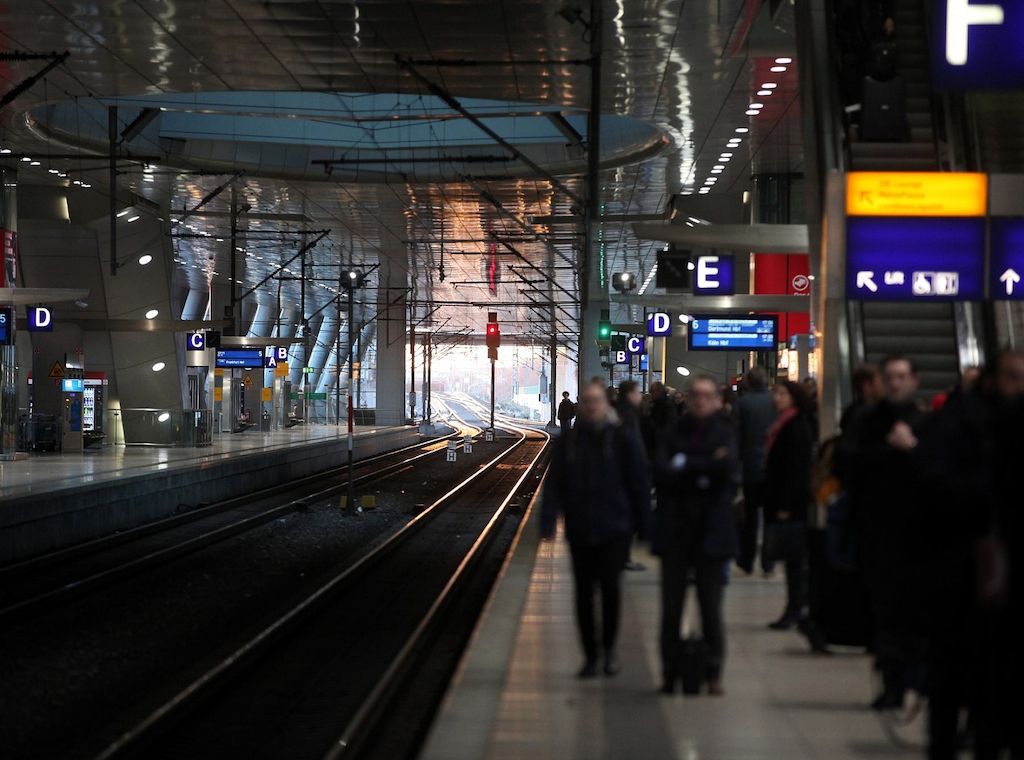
x=715 y=275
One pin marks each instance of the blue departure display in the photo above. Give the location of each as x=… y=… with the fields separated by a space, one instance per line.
x=915 y=259
x=711 y=333
x=240 y=358
x=6 y=326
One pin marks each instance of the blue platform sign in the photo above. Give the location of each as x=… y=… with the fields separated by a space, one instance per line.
x=977 y=44
x=239 y=358
x=715 y=275
x=1006 y=272
x=747 y=333
x=6 y=326
x=915 y=258
x=40 y=319
x=635 y=345
x=659 y=324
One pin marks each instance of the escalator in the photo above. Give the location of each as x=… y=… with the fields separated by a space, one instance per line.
x=924 y=332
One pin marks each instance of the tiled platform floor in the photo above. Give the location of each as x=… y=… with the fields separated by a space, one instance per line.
x=781 y=701
x=40 y=473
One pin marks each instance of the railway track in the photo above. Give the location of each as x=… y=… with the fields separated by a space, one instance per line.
x=37 y=584
x=313 y=683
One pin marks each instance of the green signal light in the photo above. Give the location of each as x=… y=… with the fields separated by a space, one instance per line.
x=604 y=330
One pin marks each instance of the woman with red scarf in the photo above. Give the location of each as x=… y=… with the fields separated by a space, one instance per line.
x=788 y=459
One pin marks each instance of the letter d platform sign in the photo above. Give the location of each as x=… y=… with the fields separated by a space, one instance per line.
x=659 y=324
x=40 y=319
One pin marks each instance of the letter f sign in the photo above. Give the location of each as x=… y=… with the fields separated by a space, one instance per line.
x=960 y=17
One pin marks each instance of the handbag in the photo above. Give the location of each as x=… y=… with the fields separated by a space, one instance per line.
x=783 y=540
x=693 y=664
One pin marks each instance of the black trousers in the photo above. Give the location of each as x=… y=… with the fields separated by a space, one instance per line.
x=593 y=567
x=678 y=562
x=565 y=425
x=753 y=507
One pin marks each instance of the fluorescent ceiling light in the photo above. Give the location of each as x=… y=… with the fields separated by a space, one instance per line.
x=133 y=218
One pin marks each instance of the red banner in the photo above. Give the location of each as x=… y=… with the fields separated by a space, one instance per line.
x=784 y=274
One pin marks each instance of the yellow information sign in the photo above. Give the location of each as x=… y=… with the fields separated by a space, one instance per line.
x=57 y=370
x=281 y=370
x=916 y=194
x=267 y=394
x=248 y=381
x=218 y=394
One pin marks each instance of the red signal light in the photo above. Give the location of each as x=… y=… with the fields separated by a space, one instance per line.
x=492 y=328
x=493 y=335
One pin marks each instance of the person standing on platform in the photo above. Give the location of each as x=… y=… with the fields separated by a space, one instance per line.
x=598 y=482
x=754 y=413
x=787 y=493
x=885 y=492
x=566 y=412
x=695 y=526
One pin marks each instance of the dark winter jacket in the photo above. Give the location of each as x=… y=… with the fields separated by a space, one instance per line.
x=566 y=410
x=788 y=471
x=754 y=414
x=695 y=501
x=598 y=480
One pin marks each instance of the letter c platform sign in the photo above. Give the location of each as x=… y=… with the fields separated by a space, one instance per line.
x=196 y=341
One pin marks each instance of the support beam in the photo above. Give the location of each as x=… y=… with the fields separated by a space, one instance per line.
x=767 y=238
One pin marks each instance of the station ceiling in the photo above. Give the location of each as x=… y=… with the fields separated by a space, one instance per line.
x=279 y=87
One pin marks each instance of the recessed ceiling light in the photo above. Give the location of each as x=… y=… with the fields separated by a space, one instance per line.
x=145 y=259
x=133 y=218
x=683 y=371
x=5 y=151
x=689 y=224
x=123 y=212
x=769 y=86
x=725 y=155
x=163 y=417
x=764 y=93
x=86 y=184
x=756 y=106
x=33 y=163
x=704 y=190
x=158 y=366
x=26 y=159
x=777 y=69
x=783 y=60
x=152 y=313
x=53 y=171
x=752 y=113
x=718 y=166
x=741 y=130
x=716 y=171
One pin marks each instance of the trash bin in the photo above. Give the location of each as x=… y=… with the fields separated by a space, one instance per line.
x=265 y=422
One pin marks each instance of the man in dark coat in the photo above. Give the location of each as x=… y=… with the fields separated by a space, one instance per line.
x=695 y=525
x=598 y=481
x=754 y=413
x=566 y=411
x=885 y=493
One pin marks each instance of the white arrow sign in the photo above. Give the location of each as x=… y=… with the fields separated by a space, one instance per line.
x=867 y=280
x=1009 y=278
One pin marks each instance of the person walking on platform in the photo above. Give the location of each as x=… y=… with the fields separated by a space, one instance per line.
x=885 y=490
x=629 y=410
x=787 y=493
x=754 y=413
x=695 y=527
x=566 y=411
x=598 y=482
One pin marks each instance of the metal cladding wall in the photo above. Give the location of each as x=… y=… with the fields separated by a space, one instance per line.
x=784 y=274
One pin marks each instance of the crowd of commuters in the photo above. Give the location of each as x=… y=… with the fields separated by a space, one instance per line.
x=899 y=535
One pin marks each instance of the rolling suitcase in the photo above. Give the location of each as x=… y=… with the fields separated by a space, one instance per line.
x=884 y=110
x=693 y=664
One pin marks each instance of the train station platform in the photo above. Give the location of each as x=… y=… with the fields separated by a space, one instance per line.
x=515 y=694
x=49 y=501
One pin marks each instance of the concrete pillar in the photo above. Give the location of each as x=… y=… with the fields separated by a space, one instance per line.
x=391 y=342
x=8 y=349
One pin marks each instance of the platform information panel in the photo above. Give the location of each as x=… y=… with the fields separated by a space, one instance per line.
x=916 y=236
x=723 y=333
x=976 y=44
x=239 y=358
x=1006 y=271
x=6 y=326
